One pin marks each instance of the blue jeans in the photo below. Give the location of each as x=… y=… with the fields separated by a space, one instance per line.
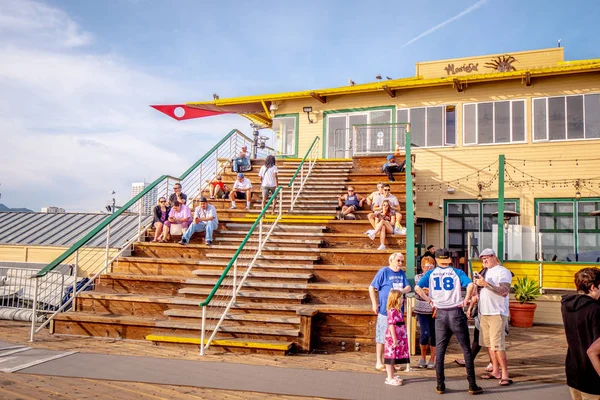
x=427 y=329
x=208 y=226
x=448 y=322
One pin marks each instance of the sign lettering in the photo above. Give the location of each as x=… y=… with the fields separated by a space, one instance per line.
x=451 y=69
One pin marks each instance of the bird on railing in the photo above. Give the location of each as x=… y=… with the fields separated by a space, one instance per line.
x=378 y=77
x=215 y=96
x=351 y=82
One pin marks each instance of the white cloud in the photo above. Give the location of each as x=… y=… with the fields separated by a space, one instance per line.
x=75 y=124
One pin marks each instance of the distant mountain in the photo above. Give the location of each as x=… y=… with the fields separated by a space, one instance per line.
x=4 y=208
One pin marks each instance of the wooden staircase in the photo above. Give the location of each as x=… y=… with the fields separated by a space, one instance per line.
x=308 y=290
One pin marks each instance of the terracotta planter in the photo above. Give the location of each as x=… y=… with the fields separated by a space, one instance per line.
x=521 y=315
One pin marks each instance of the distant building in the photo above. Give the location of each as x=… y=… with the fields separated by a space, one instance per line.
x=53 y=210
x=148 y=201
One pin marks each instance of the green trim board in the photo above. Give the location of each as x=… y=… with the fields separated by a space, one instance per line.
x=410 y=214
x=392 y=108
x=297 y=133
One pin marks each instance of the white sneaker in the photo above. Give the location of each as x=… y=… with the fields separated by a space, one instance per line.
x=382 y=247
x=233 y=208
x=371 y=234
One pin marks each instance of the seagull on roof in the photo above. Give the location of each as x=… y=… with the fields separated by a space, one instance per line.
x=351 y=82
x=388 y=78
x=215 y=96
x=378 y=77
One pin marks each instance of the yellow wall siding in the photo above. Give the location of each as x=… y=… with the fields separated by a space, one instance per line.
x=524 y=60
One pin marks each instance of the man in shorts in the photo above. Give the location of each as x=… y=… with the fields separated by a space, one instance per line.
x=242 y=190
x=493 y=306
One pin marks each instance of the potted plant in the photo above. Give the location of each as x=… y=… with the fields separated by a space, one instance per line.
x=522 y=311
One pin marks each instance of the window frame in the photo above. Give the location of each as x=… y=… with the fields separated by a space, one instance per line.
x=510 y=117
x=296 y=117
x=566 y=139
x=444 y=124
x=480 y=230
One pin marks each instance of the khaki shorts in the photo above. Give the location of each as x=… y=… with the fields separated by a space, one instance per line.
x=579 y=395
x=493 y=330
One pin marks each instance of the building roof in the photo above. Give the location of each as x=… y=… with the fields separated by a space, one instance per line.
x=42 y=229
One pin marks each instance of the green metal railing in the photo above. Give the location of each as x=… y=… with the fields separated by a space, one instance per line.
x=228 y=283
x=94 y=254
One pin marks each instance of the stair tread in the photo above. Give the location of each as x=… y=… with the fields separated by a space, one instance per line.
x=265 y=257
x=233 y=342
x=187 y=261
x=280 y=319
x=254 y=239
x=165 y=323
x=247 y=293
x=257 y=274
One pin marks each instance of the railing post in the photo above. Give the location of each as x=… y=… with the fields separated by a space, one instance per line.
x=75 y=280
x=292 y=201
x=202 y=331
x=107 y=246
x=541 y=260
x=280 y=202
x=34 y=310
x=234 y=280
x=139 y=235
x=167 y=195
x=260 y=235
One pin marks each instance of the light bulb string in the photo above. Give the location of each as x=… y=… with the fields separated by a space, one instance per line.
x=485 y=184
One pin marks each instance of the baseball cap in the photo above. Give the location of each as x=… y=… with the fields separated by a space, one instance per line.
x=203 y=200
x=390 y=157
x=442 y=256
x=240 y=175
x=487 y=252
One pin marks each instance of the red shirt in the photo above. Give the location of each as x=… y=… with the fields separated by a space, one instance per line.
x=218 y=183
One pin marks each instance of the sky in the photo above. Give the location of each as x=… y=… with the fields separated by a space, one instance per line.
x=77 y=77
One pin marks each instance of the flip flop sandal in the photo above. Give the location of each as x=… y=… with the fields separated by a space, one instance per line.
x=489 y=376
x=505 y=382
x=462 y=364
x=380 y=368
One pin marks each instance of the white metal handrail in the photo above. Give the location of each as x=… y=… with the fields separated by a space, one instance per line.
x=312 y=156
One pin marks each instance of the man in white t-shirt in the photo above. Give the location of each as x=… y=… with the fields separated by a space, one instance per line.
x=493 y=306
x=268 y=180
x=242 y=189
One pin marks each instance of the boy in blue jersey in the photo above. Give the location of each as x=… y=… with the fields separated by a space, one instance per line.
x=444 y=284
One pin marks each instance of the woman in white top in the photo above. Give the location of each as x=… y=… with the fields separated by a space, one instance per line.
x=268 y=180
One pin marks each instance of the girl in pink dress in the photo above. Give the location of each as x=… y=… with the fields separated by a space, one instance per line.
x=396 y=341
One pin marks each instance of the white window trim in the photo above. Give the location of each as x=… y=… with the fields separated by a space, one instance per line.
x=283 y=143
x=510 y=116
x=347 y=115
x=566 y=139
x=444 y=124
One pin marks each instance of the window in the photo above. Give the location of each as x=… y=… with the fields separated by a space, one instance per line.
x=494 y=122
x=568 y=230
x=467 y=217
x=566 y=117
x=430 y=126
x=285 y=134
x=347 y=134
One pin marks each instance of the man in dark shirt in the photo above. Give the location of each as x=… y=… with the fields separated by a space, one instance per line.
x=581 y=318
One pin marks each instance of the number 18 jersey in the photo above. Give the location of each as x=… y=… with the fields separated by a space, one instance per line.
x=444 y=286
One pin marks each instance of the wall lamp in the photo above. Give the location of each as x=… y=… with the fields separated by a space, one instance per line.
x=308 y=110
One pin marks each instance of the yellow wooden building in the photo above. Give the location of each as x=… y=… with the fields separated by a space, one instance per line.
x=538 y=110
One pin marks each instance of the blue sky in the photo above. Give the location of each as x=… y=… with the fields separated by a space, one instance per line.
x=76 y=77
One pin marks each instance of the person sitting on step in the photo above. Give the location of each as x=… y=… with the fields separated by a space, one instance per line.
x=179 y=214
x=242 y=190
x=385 y=219
x=218 y=188
x=392 y=166
x=378 y=201
x=205 y=219
x=177 y=195
x=161 y=215
x=242 y=162
x=379 y=192
x=349 y=203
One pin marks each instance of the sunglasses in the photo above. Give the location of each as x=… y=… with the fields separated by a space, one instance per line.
x=386 y=190
x=162 y=201
x=351 y=190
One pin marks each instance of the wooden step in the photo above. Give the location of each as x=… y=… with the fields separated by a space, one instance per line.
x=266 y=257
x=247 y=294
x=289 y=227
x=137 y=328
x=259 y=346
x=262 y=318
x=272 y=240
x=258 y=274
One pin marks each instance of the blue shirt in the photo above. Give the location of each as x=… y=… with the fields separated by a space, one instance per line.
x=444 y=286
x=386 y=280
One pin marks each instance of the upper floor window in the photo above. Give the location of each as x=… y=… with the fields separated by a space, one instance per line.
x=430 y=126
x=494 y=122
x=285 y=128
x=566 y=117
